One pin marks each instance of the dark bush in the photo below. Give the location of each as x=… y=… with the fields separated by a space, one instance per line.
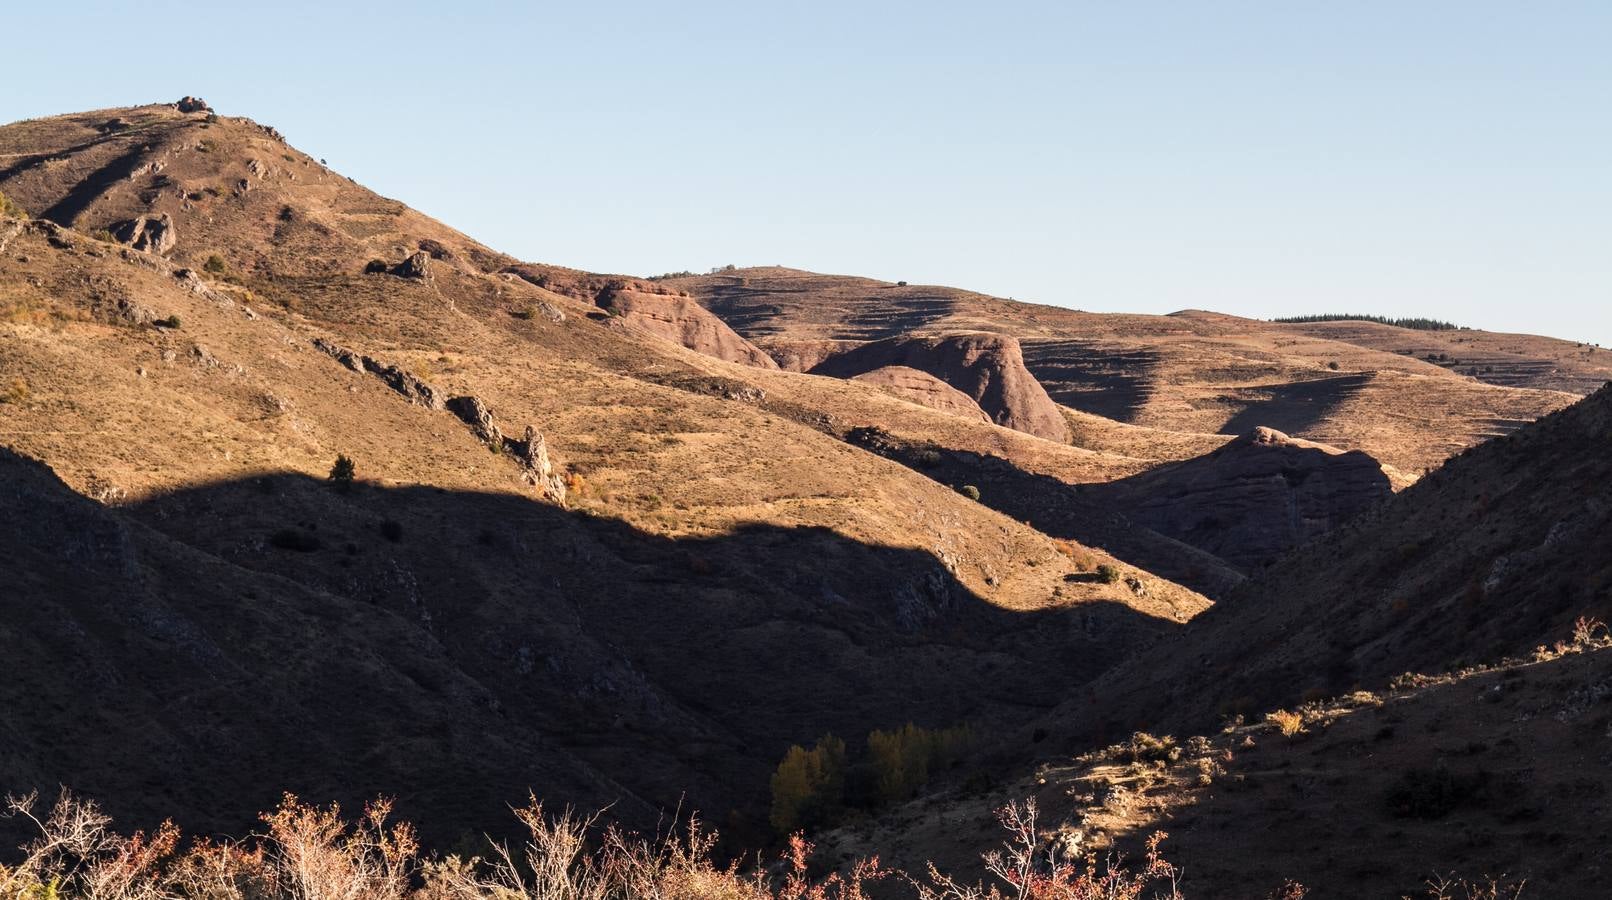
x=294 y=539
x=392 y=530
x=1107 y=574
x=1434 y=793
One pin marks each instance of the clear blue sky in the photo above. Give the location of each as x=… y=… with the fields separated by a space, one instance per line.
x=1451 y=159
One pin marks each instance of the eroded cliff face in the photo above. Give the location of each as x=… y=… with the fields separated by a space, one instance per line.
x=681 y=320
x=924 y=389
x=1255 y=498
x=989 y=368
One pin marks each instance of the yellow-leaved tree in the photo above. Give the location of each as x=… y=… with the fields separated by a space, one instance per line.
x=809 y=785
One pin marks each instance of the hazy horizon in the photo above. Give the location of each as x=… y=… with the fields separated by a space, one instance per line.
x=1452 y=161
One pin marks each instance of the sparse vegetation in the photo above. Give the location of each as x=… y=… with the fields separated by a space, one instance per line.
x=8 y=208
x=1144 y=747
x=16 y=392
x=306 y=852
x=1414 y=322
x=169 y=321
x=969 y=491
x=215 y=264
x=1108 y=574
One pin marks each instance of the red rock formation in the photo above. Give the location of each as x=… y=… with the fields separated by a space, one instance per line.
x=924 y=389
x=987 y=367
x=683 y=321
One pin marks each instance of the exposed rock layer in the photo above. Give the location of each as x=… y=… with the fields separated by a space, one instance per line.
x=987 y=367
x=683 y=321
x=924 y=389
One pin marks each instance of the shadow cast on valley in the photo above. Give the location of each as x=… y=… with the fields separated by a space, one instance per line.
x=194 y=654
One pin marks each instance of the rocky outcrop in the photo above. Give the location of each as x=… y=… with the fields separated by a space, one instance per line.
x=475 y=414
x=1254 y=499
x=988 y=368
x=530 y=450
x=681 y=320
x=417 y=266
x=923 y=389
x=400 y=380
x=192 y=105
x=148 y=234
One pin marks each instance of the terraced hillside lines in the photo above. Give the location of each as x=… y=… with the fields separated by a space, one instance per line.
x=1194 y=371
x=860 y=309
x=1509 y=360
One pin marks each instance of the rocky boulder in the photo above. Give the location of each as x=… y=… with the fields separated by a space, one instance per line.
x=924 y=389
x=1253 y=499
x=988 y=368
x=148 y=234
x=681 y=320
x=192 y=105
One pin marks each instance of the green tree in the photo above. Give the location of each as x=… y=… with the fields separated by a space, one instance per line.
x=341 y=474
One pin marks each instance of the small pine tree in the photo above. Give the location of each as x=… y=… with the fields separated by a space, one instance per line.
x=341 y=474
x=1107 y=574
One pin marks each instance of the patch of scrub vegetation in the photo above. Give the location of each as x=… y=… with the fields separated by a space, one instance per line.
x=8 y=208
x=822 y=785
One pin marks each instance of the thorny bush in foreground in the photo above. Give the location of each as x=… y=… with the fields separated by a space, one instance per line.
x=305 y=852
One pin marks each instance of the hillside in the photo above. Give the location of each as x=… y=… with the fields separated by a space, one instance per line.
x=1419 y=694
x=1193 y=372
x=667 y=570
x=1497 y=552
x=302 y=490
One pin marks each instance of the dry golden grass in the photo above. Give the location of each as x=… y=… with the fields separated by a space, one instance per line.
x=1287 y=722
